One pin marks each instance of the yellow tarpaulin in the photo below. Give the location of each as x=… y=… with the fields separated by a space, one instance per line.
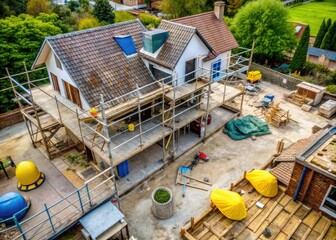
x=264 y=182
x=231 y=204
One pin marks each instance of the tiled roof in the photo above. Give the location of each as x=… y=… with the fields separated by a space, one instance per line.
x=331 y=55
x=214 y=31
x=286 y=160
x=283 y=172
x=98 y=66
x=173 y=48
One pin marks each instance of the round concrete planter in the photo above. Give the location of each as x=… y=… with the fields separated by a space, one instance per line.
x=163 y=210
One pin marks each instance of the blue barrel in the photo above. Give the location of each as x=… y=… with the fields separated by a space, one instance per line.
x=123 y=169
x=270 y=96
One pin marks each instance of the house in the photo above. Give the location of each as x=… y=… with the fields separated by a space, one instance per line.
x=313 y=180
x=321 y=56
x=157 y=93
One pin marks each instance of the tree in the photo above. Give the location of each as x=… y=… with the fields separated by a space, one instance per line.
x=326 y=43
x=88 y=22
x=20 y=40
x=35 y=7
x=73 y=5
x=123 y=16
x=333 y=43
x=180 y=8
x=12 y=7
x=320 y=34
x=149 y=21
x=328 y=37
x=300 y=54
x=232 y=6
x=103 y=11
x=265 y=23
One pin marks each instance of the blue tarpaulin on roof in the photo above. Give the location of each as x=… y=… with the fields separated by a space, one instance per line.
x=126 y=44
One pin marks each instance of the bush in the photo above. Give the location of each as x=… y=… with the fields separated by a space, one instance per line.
x=331 y=89
x=149 y=21
x=88 y=22
x=123 y=16
x=162 y=196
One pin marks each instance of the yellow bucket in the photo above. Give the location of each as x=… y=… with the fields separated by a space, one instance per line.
x=93 y=112
x=131 y=127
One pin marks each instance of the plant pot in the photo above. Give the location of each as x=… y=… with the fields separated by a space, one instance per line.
x=165 y=209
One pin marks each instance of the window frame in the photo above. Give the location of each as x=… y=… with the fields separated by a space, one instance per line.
x=216 y=72
x=58 y=62
x=326 y=210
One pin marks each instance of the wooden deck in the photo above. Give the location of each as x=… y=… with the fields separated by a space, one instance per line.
x=284 y=218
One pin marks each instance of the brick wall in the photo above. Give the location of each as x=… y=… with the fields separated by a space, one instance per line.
x=317 y=189
x=275 y=77
x=10 y=118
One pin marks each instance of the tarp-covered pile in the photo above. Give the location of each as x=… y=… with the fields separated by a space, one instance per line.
x=246 y=127
x=231 y=204
x=264 y=182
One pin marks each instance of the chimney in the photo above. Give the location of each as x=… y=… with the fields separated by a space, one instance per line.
x=219 y=10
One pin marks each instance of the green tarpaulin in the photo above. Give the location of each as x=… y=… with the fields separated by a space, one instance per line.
x=246 y=127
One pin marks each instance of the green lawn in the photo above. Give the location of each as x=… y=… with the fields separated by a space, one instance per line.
x=312 y=13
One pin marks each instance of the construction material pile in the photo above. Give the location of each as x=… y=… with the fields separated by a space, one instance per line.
x=246 y=127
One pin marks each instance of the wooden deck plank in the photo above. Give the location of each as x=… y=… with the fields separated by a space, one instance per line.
x=325 y=230
x=311 y=218
x=300 y=231
x=291 y=226
x=312 y=224
x=281 y=236
x=331 y=233
x=266 y=215
x=285 y=200
x=319 y=227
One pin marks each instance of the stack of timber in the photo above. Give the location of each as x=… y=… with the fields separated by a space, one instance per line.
x=297 y=99
x=327 y=109
x=277 y=116
x=281 y=216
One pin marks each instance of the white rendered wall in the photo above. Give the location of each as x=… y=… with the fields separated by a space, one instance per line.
x=195 y=49
x=62 y=75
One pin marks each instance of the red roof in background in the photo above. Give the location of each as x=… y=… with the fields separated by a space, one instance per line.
x=215 y=32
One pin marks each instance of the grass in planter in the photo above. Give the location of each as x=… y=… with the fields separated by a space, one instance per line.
x=162 y=196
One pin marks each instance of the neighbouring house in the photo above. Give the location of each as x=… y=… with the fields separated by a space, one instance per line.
x=321 y=56
x=156 y=93
x=299 y=29
x=313 y=178
x=131 y=3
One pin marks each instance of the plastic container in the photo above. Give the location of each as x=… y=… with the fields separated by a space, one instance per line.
x=123 y=169
x=269 y=96
x=10 y=204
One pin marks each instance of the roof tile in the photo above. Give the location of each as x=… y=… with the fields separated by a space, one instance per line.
x=215 y=32
x=97 y=65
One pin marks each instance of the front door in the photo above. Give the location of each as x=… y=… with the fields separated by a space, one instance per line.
x=190 y=70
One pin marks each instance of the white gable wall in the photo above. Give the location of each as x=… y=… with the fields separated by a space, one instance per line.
x=195 y=49
x=62 y=75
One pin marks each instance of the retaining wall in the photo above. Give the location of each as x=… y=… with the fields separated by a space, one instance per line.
x=10 y=118
x=276 y=77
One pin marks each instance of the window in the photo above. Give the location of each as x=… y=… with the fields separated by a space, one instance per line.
x=72 y=93
x=216 y=67
x=58 y=62
x=190 y=70
x=329 y=202
x=55 y=82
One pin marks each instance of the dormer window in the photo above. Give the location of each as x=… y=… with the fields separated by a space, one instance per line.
x=126 y=44
x=58 y=62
